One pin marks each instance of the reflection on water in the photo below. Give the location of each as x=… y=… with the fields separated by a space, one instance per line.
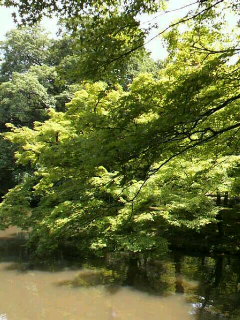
x=175 y=287
x=33 y=295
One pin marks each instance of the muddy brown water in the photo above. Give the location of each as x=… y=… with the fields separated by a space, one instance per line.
x=174 y=287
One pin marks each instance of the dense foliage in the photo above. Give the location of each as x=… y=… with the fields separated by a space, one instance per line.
x=126 y=160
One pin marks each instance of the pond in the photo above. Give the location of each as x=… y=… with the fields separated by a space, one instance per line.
x=170 y=287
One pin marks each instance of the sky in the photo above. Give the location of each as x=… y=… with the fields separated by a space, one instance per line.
x=163 y=20
x=6 y=23
x=154 y=46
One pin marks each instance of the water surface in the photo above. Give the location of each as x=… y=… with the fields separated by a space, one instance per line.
x=173 y=287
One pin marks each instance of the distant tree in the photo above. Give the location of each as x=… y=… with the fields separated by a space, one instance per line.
x=23 y=48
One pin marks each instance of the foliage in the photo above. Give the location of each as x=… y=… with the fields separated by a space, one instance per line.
x=34 y=79
x=94 y=54
x=24 y=47
x=32 y=12
x=125 y=161
x=97 y=166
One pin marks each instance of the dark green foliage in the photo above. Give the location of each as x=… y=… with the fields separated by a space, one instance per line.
x=32 y=11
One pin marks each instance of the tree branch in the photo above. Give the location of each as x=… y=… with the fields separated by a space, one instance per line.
x=183 y=20
x=151 y=172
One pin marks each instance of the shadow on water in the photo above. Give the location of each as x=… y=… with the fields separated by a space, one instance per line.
x=210 y=285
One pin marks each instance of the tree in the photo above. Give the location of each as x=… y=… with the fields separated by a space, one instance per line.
x=123 y=165
x=31 y=12
x=23 y=100
x=77 y=12
x=24 y=47
x=28 y=89
x=119 y=168
x=93 y=53
x=34 y=80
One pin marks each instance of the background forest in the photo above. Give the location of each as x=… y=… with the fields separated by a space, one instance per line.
x=103 y=148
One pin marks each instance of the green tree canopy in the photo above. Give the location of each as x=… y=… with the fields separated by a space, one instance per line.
x=125 y=163
x=23 y=48
x=120 y=167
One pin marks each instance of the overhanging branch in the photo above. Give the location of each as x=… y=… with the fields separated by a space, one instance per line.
x=151 y=172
